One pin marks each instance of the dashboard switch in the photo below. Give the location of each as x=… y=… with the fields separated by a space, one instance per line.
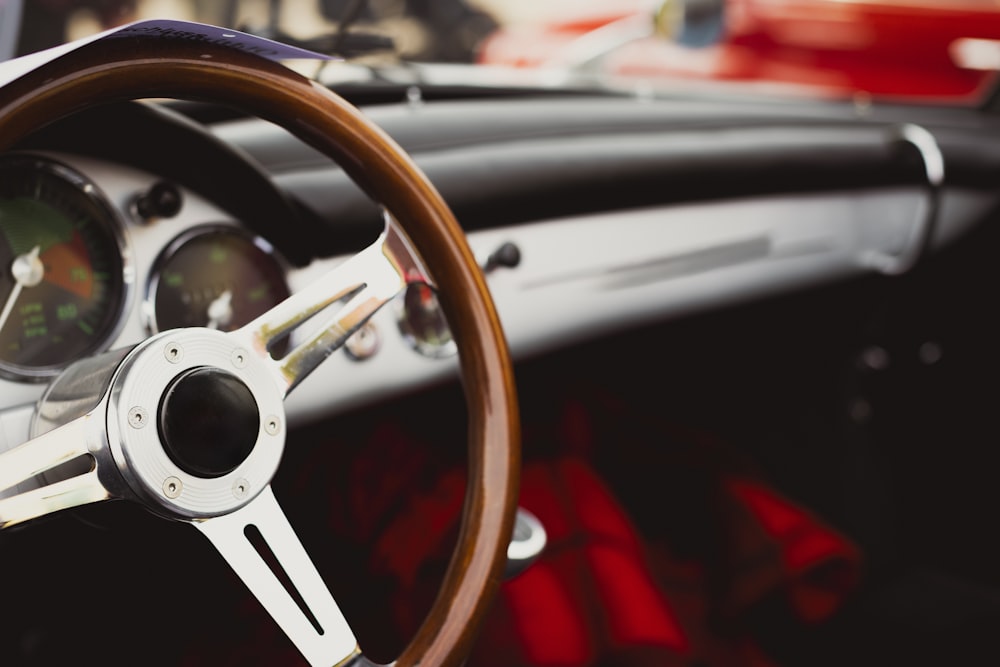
x=162 y=200
x=508 y=255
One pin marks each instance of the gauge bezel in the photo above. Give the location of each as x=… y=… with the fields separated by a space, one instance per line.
x=113 y=222
x=442 y=349
x=185 y=237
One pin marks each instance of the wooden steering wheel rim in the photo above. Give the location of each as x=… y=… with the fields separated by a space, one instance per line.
x=127 y=68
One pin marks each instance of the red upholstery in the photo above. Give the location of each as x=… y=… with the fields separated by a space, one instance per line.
x=599 y=597
x=600 y=594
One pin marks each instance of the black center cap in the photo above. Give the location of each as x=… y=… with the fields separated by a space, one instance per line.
x=208 y=422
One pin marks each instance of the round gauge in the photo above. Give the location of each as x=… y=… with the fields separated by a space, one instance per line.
x=423 y=324
x=217 y=277
x=63 y=268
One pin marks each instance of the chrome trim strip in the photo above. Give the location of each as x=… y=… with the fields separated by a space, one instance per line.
x=923 y=231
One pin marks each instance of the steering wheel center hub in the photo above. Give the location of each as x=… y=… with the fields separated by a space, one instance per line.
x=196 y=423
x=208 y=422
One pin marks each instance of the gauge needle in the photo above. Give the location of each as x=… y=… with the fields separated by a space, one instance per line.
x=27 y=271
x=220 y=311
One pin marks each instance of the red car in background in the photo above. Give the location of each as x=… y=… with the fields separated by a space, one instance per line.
x=944 y=49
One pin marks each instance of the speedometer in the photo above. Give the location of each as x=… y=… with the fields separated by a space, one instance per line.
x=63 y=268
x=214 y=276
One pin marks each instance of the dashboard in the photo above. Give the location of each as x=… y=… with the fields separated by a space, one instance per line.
x=588 y=219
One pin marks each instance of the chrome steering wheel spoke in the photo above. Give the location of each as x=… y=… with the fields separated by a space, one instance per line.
x=259 y=544
x=367 y=281
x=78 y=438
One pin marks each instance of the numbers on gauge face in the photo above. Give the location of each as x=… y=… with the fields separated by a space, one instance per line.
x=64 y=272
x=214 y=276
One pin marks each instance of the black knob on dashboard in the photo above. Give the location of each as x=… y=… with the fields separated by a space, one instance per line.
x=508 y=255
x=162 y=200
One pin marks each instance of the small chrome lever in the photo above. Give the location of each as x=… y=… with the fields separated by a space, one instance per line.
x=526 y=544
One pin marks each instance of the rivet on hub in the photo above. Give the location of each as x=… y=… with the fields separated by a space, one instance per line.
x=272 y=425
x=241 y=488
x=173 y=352
x=239 y=357
x=172 y=487
x=137 y=417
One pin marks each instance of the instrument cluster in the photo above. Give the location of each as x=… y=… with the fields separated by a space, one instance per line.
x=96 y=256
x=78 y=263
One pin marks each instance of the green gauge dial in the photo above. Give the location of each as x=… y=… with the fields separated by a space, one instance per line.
x=216 y=277
x=62 y=272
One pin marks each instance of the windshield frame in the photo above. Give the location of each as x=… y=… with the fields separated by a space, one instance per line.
x=10 y=28
x=15 y=13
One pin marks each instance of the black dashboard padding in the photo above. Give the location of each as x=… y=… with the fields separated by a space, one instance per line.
x=508 y=161
x=451 y=125
x=513 y=182
x=504 y=162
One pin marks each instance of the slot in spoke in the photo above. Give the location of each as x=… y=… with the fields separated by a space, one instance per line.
x=308 y=614
x=42 y=454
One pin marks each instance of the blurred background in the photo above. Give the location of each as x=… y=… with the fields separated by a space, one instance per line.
x=932 y=50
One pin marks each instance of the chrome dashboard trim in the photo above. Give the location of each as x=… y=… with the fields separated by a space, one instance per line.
x=922 y=233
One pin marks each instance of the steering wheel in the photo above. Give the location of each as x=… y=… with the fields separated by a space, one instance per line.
x=190 y=422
